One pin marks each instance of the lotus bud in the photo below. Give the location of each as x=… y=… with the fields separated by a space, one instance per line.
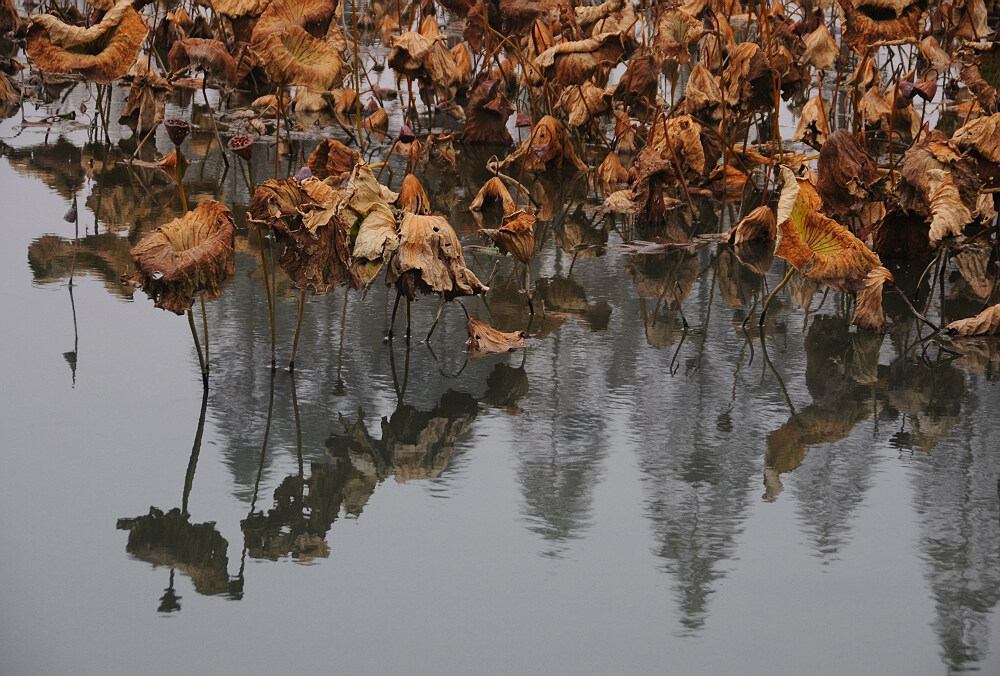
x=406 y=134
x=177 y=130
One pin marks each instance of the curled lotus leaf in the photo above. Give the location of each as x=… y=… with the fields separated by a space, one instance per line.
x=638 y=85
x=821 y=49
x=311 y=15
x=873 y=23
x=868 y=313
x=574 y=62
x=611 y=171
x=981 y=72
x=412 y=196
x=235 y=9
x=516 y=235
x=813 y=127
x=206 y=55
x=334 y=160
x=293 y=57
x=749 y=79
x=753 y=239
x=363 y=210
x=986 y=323
x=583 y=103
x=409 y=51
x=187 y=256
x=931 y=50
x=846 y=174
x=102 y=53
x=677 y=32
x=548 y=147
x=492 y=193
x=429 y=260
x=680 y=138
x=819 y=247
x=703 y=95
x=486 y=122
x=147 y=100
x=484 y=339
x=982 y=137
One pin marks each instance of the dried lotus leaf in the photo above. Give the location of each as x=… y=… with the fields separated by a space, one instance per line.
x=484 y=339
x=868 y=313
x=515 y=236
x=429 y=260
x=986 y=323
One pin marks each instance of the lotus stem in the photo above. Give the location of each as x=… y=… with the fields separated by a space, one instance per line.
x=392 y=320
x=437 y=318
x=527 y=288
x=195 y=451
x=215 y=127
x=770 y=297
x=204 y=322
x=180 y=178
x=407 y=336
x=914 y=310
x=267 y=287
x=298 y=327
x=253 y=183
x=197 y=347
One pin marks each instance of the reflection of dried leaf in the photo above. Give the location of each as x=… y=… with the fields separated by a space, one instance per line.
x=484 y=339
x=185 y=257
x=986 y=323
x=868 y=312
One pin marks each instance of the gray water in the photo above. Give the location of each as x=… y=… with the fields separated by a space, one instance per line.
x=626 y=496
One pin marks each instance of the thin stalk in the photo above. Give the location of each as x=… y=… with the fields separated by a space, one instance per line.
x=267 y=287
x=770 y=297
x=204 y=323
x=298 y=327
x=197 y=347
x=180 y=178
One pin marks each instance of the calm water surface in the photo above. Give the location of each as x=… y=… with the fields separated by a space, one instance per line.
x=624 y=497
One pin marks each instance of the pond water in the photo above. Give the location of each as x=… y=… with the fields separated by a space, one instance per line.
x=625 y=496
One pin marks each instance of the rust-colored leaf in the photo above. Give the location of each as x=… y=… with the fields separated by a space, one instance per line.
x=492 y=193
x=412 y=196
x=548 y=147
x=515 y=236
x=813 y=127
x=293 y=57
x=868 y=312
x=986 y=323
x=333 y=160
x=846 y=175
x=429 y=260
x=873 y=23
x=487 y=117
x=484 y=339
x=185 y=257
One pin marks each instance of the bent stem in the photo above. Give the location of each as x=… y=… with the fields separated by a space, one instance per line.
x=770 y=297
x=197 y=347
x=298 y=327
x=914 y=310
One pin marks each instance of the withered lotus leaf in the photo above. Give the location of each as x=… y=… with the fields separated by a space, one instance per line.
x=679 y=137
x=727 y=181
x=489 y=110
x=611 y=171
x=868 y=313
x=409 y=51
x=819 y=247
x=749 y=79
x=813 y=127
x=981 y=72
x=147 y=99
x=188 y=255
x=515 y=236
x=484 y=339
x=637 y=87
x=203 y=54
x=333 y=160
x=986 y=323
x=429 y=259
x=548 y=147
x=293 y=57
x=10 y=20
x=760 y=225
x=377 y=121
x=492 y=193
x=311 y=15
x=872 y=23
x=677 y=32
x=931 y=50
x=981 y=135
x=644 y=199
x=846 y=174
x=237 y=8
x=574 y=62
x=703 y=95
x=821 y=50
x=102 y=53
x=583 y=103
x=412 y=196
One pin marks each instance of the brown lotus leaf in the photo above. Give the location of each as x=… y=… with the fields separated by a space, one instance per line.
x=463 y=63
x=703 y=96
x=313 y=16
x=931 y=50
x=363 y=210
x=574 y=62
x=981 y=72
x=625 y=136
x=492 y=193
x=638 y=84
x=873 y=23
x=102 y=53
x=825 y=251
x=412 y=196
x=760 y=225
x=645 y=199
x=187 y=256
x=874 y=108
x=429 y=259
x=866 y=75
x=10 y=20
x=442 y=70
x=982 y=137
x=237 y=8
x=586 y=16
x=378 y=120
x=726 y=181
x=813 y=127
x=333 y=160
x=901 y=234
x=10 y=95
x=868 y=312
x=548 y=147
x=986 y=323
x=973 y=16
x=939 y=182
x=676 y=33
x=487 y=117
x=308 y=101
x=975 y=268
x=293 y=57
x=409 y=52
x=611 y=171
x=209 y=56
x=749 y=79
x=147 y=99
x=484 y=339
x=583 y=103
x=821 y=49
x=515 y=236
x=847 y=174
x=679 y=137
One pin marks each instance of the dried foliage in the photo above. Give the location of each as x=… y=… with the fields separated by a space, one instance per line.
x=484 y=339
x=429 y=260
x=986 y=323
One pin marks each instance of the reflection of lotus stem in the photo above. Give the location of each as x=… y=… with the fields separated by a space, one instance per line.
x=180 y=177
x=197 y=347
x=195 y=450
x=298 y=429
x=298 y=327
x=267 y=288
x=343 y=323
x=204 y=323
x=263 y=446
x=770 y=297
x=527 y=287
